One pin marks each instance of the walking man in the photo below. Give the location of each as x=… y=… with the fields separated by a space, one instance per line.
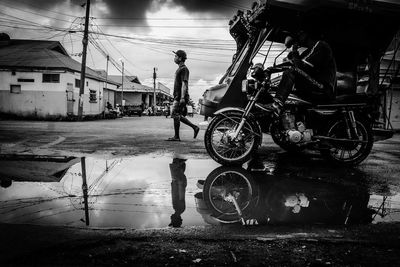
x=181 y=96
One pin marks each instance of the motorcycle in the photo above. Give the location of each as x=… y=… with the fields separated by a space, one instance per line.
x=341 y=130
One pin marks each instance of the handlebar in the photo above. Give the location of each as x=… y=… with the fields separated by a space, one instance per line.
x=279 y=67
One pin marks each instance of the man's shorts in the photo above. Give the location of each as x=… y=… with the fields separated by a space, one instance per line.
x=178 y=109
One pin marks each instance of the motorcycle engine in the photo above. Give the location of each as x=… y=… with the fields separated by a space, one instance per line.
x=296 y=132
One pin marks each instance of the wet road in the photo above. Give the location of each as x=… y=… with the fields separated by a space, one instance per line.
x=142 y=192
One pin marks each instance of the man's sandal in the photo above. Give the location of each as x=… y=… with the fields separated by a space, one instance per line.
x=173 y=139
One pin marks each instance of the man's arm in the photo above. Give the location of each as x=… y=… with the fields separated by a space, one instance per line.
x=183 y=92
x=184 y=88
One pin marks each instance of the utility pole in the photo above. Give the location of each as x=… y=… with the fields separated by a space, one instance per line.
x=108 y=95
x=122 y=92
x=103 y=102
x=154 y=86
x=83 y=64
x=85 y=190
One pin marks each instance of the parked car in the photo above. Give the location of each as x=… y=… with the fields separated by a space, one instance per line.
x=166 y=110
x=131 y=110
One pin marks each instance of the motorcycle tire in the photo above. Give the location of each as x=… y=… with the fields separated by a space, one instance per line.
x=227 y=153
x=230 y=180
x=337 y=150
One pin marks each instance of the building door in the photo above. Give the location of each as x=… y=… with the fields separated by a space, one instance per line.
x=70 y=99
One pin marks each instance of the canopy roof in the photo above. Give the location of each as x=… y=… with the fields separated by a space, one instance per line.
x=354 y=28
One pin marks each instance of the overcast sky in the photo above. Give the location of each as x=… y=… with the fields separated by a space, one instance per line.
x=142 y=33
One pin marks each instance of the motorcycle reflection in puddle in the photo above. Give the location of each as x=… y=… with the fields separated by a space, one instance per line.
x=258 y=196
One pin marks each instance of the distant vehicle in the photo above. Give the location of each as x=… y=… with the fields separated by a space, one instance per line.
x=131 y=110
x=159 y=111
x=166 y=110
x=189 y=111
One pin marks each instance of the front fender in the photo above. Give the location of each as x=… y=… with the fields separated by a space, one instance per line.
x=222 y=110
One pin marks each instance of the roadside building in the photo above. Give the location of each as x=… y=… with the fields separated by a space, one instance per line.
x=135 y=93
x=38 y=79
x=33 y=168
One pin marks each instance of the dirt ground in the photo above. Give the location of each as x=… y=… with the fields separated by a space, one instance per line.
x=229 y=245
x=372 y=245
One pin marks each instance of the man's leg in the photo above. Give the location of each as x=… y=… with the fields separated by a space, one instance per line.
x=176 y=117
x=285 y=85
x=177 y=125
x=194 y=127
x=284 y=88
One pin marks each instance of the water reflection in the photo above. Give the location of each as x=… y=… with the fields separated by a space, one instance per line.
x=178 y=189
x=147 y=192
x=126 y=192
x=266 y=193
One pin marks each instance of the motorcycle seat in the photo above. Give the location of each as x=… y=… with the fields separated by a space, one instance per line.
x=347 y=100
x=351 y=99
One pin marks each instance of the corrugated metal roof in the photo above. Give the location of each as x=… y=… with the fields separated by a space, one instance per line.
x=129 y=85
x=41 y=55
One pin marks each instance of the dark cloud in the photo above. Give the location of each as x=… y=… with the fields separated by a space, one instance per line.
x=132 y=12
x=128 y=8
x=221 y=7
x=138 y=8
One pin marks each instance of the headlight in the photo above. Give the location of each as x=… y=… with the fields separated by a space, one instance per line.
x=245 y=86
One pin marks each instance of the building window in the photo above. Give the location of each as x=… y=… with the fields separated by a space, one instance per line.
x=51 y=78
x=77 y=83
x=15 y=88
x=92 y=96
x=26 y=80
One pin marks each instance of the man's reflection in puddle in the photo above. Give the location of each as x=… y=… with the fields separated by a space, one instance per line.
x=178 y=188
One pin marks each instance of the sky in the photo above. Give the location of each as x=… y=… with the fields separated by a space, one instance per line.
x=140 y=33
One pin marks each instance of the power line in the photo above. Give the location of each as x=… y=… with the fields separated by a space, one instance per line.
x=34 y=13
x=166 y=26
x=167 y=19
x=112 y=45
x=34 y=23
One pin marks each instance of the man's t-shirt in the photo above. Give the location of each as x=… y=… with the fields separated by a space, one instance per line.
x=181 y=75
x=321 y=64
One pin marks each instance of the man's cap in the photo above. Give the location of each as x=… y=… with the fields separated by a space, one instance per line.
x=180 y=53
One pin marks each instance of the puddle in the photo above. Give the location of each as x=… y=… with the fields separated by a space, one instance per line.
x=129 y=192
x=145 y=192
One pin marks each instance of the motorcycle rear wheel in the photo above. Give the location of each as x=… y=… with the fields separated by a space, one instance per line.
x=222 y=148
x=348 y=153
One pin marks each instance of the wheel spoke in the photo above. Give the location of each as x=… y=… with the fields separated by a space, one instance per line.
x=347 y=151
x=227 y=148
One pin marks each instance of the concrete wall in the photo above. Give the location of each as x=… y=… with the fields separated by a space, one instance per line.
x=109 y=96
x=131 y=98
x=395 y=110
x=36 y=98
x=45 y=100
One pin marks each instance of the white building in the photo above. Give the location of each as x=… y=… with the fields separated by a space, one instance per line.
x=38 y=79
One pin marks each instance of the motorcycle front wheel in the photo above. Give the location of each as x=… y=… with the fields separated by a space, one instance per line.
x=348 y=153
x=227 y=189
x=222 y=147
